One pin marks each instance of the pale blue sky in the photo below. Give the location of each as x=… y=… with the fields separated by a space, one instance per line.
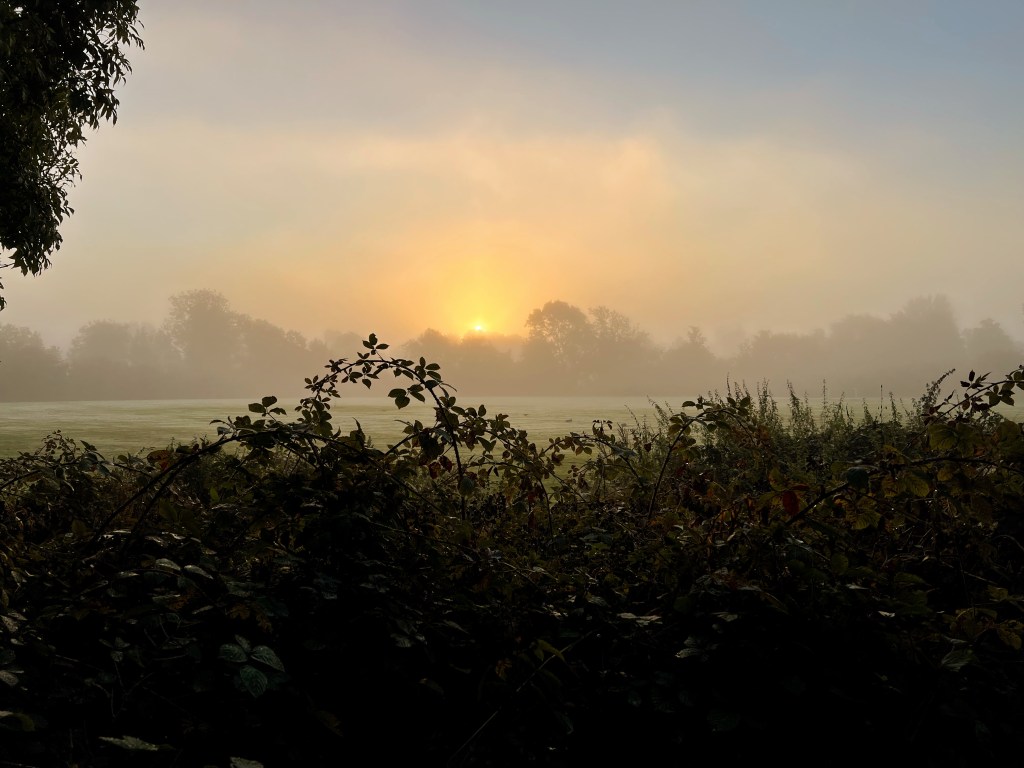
x=392 y=166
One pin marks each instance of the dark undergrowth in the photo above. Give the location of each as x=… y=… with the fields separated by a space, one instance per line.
x=727 y=584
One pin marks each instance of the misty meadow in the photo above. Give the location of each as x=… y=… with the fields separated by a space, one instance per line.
x=205 y=349
x=720 y=580
x=298 y=583
x=608 y=507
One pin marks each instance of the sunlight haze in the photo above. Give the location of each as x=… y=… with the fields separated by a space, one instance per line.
x=398 y=166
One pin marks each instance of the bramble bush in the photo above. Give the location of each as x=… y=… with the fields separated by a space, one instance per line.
x=725 y=581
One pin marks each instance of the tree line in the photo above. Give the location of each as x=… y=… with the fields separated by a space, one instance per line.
x=205 y=349
x=567 y=350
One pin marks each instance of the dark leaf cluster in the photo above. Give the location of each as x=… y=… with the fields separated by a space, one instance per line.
x=825 y=588
x=59 y=64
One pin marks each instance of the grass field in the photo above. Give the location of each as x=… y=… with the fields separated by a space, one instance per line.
x=133 y=426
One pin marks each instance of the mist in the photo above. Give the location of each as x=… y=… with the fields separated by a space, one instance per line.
x=816 y=196
x=204 y=348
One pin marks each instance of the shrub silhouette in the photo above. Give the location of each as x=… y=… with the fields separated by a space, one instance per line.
x=724 y=581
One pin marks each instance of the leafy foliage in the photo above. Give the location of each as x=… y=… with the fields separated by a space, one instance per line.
x=724 y=582
x=61 y=62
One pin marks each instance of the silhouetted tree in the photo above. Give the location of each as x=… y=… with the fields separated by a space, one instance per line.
x=689 y=367
x=60 y=62
x=272 y=359
x=101 y=341
x=432 y=345
x=153 y=348
x=29 y=370
x=922 y=341
x=989 y=348
x=207 y=334
x=473 y=362
x=623 y=360
x=480 y=368
x=122 y=361
x=783 y=359
x=858 y=359
x=336 y=344
x=558 y=347
x=98 y=361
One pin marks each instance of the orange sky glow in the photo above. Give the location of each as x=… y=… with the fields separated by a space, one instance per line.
x=400 y=166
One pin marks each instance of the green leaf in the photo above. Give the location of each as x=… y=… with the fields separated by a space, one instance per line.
x=999 y=594
x=131 y=743
x=1010 y=633
x=867 y=518
x=241 y=762
x=721 y=721
x=254 y=681
x=903 y=579
x=545 y=647
x=688 y=652
x=858 y=477
x=232 y=652
x=1008 y=430
x=267 y=656
x=942 y=437
x=840 y=563
x=432 y=686
x=957 y=659
x=24 y=722
x=642 y=621
x=268 y=401
x=255 y=407
x=916 y=484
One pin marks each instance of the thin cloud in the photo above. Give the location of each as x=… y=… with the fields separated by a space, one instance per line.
x=377 y=170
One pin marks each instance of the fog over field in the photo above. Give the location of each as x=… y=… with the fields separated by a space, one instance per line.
x=205 y=349
x=572 y=197
x=693 y=341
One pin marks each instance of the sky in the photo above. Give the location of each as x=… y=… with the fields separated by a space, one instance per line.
x=396 y=166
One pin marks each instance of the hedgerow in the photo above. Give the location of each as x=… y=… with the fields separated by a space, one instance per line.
x=725 y=581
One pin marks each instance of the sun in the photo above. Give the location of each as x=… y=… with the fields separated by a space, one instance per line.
x=477 y=327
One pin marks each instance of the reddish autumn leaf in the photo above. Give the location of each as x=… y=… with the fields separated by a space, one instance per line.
x=790 y=502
